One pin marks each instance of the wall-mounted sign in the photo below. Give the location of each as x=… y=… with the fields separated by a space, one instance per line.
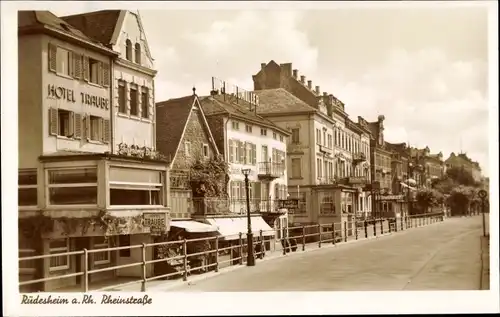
x=85 y=98
x=157 y=222
x=289 y=203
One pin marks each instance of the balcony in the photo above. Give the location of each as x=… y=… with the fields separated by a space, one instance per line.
x=324 y=149
x=358 y=157
x=270 y=170
x=211 y=206
x=326 y=181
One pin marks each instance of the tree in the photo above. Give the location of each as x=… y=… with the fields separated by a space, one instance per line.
x=460 y=200
x=428 y=198
x=460 y=176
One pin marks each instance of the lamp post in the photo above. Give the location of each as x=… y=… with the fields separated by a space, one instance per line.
x=408 y=193
x=250 y=255
x=482 y=195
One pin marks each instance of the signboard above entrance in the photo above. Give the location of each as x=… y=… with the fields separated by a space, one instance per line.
x=157 y=222
x=289 y=204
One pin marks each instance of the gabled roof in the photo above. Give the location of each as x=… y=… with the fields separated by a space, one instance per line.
x=46 y=21
x=175 y=114
x=226 y=105
x=278 y=101
x=99 y=25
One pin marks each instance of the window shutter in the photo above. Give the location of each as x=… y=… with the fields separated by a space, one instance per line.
x=71 y=66
x=71 y=128
x=100 y=77
x=85 y=68
x=257 y=190
x=246 y=158
x=77 y=65
x=107 y=131
x=53 y=121
x=254 y=158
x=242 y=152
x=105 y=75
x=52 y=58
x=78 y=126
x=87 y=127
x=231 y=155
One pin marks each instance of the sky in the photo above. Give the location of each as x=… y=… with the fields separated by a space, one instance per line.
x=424 y=69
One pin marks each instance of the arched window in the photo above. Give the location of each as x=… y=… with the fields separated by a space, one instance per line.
x=128 y=52
x=137 y=53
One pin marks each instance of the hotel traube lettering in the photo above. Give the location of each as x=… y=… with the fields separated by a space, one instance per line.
x=86 y=99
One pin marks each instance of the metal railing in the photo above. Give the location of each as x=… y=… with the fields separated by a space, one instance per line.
x=216 y=257
x=271 y=169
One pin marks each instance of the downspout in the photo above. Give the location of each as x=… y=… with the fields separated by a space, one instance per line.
x=112 y=104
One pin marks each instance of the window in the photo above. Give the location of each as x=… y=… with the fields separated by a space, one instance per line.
x=135 y=187
x=263 y=132
x=134 y=109
x=59 y=262
x=187 y=148
x=327 y=205
x=330 y=141
x=281 y=138
x=138 y=53
x=95 y=128
x=318 y=168
x=324 y=136
x=124 y=241
x=274 y=135
x=296 y=168
x=94 y=71
x=264 y=155
x=101 y=257
x=205 y=150
x=122 y=101
x=76 y=186
x=248 y=128
x=26 y=250
x=295 y=136
x=62 y=60
x=27 y=181
x=235 y=125
x=128 y=50
x=145 y=102
x=65 y=124
x=318 y=136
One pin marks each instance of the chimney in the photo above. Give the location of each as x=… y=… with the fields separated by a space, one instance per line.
x=330 y=99
x=317 y=90
x=295 y=73
x=262 y=65
x=303 y=79
x=325 y=94
x=310 y=84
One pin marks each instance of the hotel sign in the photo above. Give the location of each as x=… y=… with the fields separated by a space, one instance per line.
x=359 y=180
x=66 y=94
x=157 y=222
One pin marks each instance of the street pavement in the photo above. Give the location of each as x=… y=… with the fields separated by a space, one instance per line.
x=442 y=256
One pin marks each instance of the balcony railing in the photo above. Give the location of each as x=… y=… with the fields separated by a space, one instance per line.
x=221 y=206
x=359 y=157
x=211 y=206
x=271 y=169
x=326 y=181
x=325 y=149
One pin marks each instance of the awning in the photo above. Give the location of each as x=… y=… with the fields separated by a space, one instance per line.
x=193 y=226
x=230 y=228
x=404 y=185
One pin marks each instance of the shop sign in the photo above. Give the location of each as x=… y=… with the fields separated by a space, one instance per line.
x=289 y=204
x=157 y=222
x=359 y=180
x=66 y=94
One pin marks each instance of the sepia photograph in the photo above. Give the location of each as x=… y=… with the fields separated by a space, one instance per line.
x=249 y=147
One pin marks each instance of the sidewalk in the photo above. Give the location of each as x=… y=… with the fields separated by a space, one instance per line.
x=485 y=263
x=162 y=285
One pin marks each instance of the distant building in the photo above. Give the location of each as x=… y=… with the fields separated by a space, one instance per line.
x=433 y=165
x=463 y=161
x=328 y=153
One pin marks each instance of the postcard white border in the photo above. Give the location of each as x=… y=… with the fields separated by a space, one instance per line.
x=292 y=303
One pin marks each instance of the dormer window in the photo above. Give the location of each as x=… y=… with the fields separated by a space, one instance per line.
x=138 y=53
x=128 y=50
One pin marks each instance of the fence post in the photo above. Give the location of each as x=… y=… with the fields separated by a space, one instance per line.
x=143 y=283
x=396 y=224
x=381 y=226
x=356 y=228
x=85 y=270
x=184 y=247
x=217 y=254
x=389 y=222
x=262 y=251
x=319 y=231
x=402 y=223
x=374 y=227
x=241 y=249
x=333 y=234
x=345 y=231
x=303 y=238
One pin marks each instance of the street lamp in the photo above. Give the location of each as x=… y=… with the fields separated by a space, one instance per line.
x=250 y=255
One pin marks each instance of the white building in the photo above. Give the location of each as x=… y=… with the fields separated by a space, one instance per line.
x=76 y=190
x=248 y=141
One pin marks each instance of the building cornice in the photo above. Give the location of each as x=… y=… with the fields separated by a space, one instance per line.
x=246 y=119
x=136 y=67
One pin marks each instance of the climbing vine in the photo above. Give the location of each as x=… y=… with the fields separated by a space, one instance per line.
x=139 y=151
x=209 y=177
x=119 y=225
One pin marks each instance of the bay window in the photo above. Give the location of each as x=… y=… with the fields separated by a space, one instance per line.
x=135 y=187
x=27 y=182
x=59 y=262
x=72 y=186
x=103 y=257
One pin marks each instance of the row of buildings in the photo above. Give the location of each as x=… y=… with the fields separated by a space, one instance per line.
x=102 y=163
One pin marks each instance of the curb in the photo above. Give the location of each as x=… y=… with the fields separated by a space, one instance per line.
x=277 y=255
